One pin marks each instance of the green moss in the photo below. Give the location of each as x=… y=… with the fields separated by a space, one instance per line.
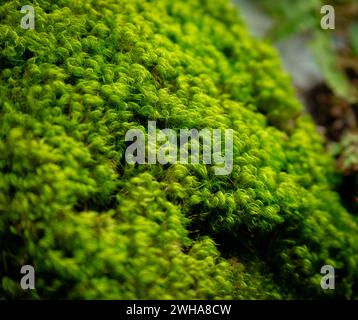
x=96 y=227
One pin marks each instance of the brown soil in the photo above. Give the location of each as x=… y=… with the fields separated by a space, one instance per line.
x=335 y=117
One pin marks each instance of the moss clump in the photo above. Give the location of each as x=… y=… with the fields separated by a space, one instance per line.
x=96 y=227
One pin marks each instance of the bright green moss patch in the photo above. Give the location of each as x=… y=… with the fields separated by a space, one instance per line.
x=96 y=227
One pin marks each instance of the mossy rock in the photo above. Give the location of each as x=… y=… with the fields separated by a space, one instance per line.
x=94 y=226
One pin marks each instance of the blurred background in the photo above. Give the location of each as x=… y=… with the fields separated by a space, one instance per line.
x=323 y=65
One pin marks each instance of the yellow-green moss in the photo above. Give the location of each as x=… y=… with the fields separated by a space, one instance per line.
x=96 y=227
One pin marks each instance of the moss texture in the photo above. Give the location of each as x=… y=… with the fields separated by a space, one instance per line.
x=96 y=227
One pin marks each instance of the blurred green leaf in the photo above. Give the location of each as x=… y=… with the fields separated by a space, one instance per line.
x=327 y=60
